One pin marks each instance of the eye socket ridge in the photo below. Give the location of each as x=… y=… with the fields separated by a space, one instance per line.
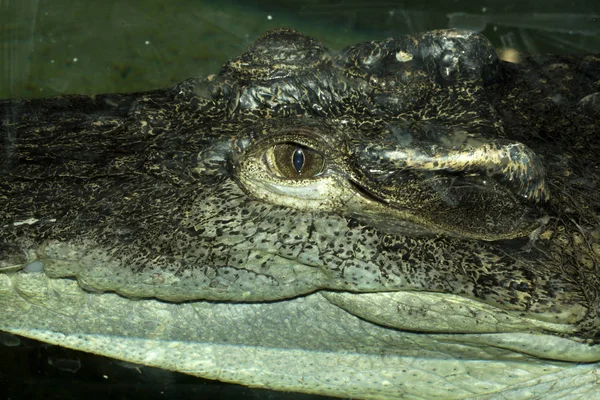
x=290 y=160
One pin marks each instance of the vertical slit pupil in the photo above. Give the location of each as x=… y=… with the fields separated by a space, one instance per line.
x=298 y=159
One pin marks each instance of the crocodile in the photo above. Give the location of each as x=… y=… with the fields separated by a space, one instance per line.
x=411 y=217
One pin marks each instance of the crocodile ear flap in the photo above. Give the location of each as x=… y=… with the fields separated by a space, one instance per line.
x=427 y=147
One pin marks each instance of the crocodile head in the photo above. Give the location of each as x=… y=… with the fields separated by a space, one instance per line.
x=433 y=194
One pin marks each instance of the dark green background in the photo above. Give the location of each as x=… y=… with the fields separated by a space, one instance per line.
x=52 y=47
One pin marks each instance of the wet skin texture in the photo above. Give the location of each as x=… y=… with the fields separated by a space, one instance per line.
x=419 y=166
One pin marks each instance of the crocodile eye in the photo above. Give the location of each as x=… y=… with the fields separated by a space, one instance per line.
x=293 y=161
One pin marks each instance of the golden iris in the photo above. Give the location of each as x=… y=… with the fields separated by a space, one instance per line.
x=293 y=161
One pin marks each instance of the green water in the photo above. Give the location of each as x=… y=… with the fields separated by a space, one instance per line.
x=50 y=47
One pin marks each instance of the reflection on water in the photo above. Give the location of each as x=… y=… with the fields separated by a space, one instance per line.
x=18 y=22
x=573 y=24
x=535 y=32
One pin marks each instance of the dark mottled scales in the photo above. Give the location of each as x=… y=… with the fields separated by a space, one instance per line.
x=481 y=179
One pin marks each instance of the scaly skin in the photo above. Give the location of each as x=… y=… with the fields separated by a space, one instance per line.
x=417 y=183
